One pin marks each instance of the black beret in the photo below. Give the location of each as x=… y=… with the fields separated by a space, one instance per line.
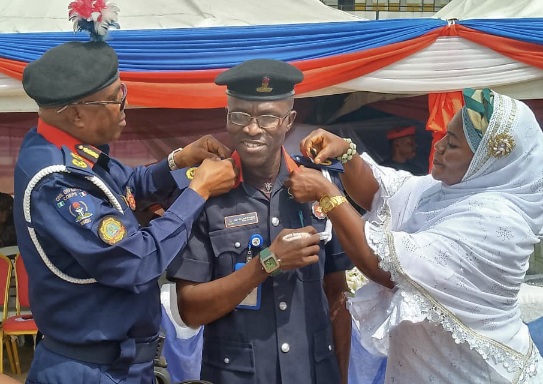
x=260 y=79
x=70 y=72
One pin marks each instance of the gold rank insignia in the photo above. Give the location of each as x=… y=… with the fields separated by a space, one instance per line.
x=190 y=173
x=265 y=87
x=88 y=152
x=78 y=161
x=111 y=230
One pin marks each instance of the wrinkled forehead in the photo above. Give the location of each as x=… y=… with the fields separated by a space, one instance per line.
x=235 y=104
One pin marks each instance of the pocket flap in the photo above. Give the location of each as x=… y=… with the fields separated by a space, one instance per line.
x=230 y=355
x=234 y=241
x=324 y=343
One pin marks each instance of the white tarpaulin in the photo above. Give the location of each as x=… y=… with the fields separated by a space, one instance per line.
x=52 y=15
x=490 y=9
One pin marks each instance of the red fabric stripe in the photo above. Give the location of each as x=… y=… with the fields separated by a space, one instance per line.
x=196 y=89
x=528 y=53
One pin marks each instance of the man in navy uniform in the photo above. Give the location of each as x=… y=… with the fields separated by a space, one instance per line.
x=93 y=272
x=272 y=303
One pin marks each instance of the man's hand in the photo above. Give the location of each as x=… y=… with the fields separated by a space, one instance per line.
x=306 y=185
x=297 y=252
x=321 y=145
x=214 y=177
x=206 y=147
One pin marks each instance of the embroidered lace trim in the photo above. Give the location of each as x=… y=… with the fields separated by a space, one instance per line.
x=522 y=367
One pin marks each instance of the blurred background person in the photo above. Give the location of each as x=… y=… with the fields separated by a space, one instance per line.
x=7 y=228
x=403 y=149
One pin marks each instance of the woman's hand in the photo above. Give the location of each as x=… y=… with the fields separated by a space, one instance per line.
x=321 y=145
x=306 y=185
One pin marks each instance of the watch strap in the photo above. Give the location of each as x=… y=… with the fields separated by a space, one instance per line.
x=265 y=254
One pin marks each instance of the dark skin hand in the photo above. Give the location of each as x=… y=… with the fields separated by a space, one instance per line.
x=203 y=303
x=307 y=185
x=205 y=147
x=213 y=176
x=321 y=145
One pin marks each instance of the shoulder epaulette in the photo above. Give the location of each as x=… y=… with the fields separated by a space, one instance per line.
x=75 y=163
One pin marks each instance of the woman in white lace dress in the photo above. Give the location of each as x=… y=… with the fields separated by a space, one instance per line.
x=446 y=252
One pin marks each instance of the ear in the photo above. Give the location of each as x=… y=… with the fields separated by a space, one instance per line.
x=291 y=118
x=75 y=116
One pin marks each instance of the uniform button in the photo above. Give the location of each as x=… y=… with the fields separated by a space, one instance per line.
x=237 y=244
x=275 y=221
x=226 y=360
x=329 y=347
x=282 y=305
x=285 y=347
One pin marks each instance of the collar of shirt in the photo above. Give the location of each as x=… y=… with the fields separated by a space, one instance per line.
x=60 y=138
x=287 y=162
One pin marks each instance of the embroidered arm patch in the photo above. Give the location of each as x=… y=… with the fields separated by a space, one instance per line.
x=76 y=206
x=111 y=230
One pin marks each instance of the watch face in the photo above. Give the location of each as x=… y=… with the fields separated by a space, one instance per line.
x=269 y=263
x=325 y=203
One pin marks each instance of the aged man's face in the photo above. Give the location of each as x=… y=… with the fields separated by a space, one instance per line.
x=452 y=154
x=259 y=145
x=102 y=123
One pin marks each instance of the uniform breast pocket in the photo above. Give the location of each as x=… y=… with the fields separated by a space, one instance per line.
x=226 y=362
x=230 y=247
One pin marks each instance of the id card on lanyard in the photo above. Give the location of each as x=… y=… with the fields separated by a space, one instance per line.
x=252 y=300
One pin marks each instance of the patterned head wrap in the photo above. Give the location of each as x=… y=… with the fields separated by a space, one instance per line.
x=476 y=113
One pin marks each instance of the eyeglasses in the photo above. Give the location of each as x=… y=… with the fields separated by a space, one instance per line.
x=121 y=102
x=263 y=121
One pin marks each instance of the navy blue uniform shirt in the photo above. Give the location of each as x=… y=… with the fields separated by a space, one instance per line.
x=289 y=339
x=86 y=237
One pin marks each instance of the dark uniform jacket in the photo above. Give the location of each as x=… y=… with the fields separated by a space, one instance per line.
x=289 y=338
x=105 y=286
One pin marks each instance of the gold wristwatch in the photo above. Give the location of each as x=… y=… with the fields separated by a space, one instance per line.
x=327 y=202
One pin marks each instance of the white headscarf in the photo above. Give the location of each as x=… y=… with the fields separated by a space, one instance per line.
x=458 y=253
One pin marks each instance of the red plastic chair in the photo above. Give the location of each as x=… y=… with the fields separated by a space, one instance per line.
x=5 y=280
x=18 y=325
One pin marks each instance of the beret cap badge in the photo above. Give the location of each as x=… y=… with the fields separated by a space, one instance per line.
x=265 y=88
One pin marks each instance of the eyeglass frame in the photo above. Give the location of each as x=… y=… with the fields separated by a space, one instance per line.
x=255 y=118
x=122 y=102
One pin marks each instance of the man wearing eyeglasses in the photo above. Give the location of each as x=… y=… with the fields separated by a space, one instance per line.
x=93 y=272
x=255 y=272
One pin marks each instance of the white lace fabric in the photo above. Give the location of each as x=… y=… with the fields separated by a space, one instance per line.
x=458 y=257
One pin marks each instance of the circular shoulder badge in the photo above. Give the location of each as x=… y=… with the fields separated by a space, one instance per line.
x=111 y=230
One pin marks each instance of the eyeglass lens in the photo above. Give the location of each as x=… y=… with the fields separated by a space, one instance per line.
x=263 y=121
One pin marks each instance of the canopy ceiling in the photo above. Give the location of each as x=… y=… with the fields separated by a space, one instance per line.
x=18 y=16
x=170 y=58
